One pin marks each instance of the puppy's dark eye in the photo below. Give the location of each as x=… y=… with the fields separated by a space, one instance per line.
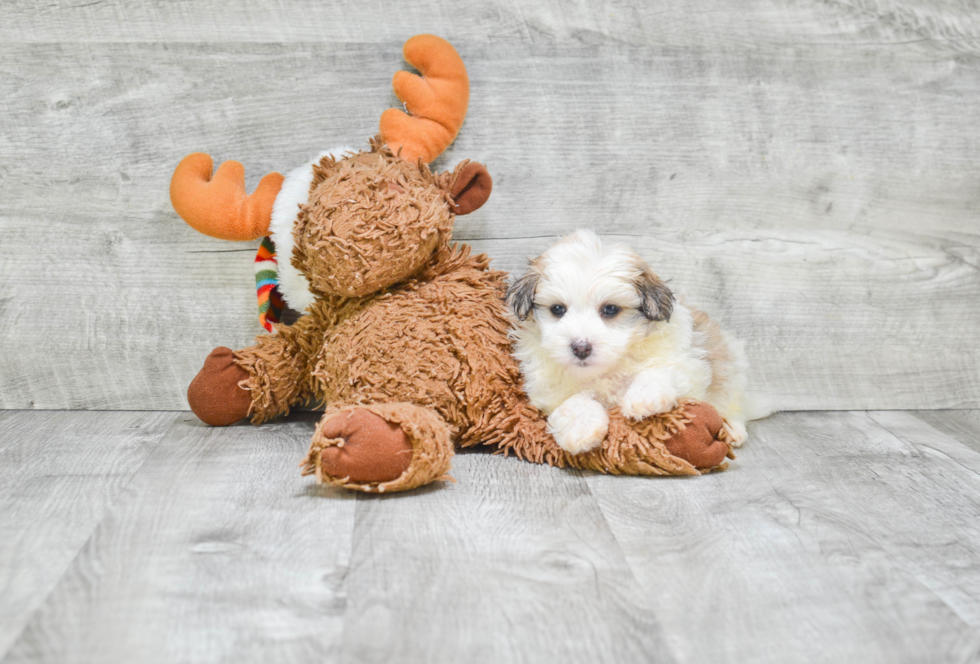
x=610 y=310
x=557 y=310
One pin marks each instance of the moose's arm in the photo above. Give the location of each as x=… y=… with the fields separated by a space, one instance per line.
x=279 y=368
x=262 y=381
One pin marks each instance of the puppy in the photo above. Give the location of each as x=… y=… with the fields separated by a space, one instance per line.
x=596 y=328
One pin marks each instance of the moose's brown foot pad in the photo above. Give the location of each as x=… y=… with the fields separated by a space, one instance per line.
x=380 y=447
x=702 y=442
x=371 y=448
x=214 y=394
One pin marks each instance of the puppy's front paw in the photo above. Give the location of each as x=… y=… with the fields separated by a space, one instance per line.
x=579 y=424
x=737 y=432
x=647 y=396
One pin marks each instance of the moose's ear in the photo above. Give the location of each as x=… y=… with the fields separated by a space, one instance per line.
x=471 y=188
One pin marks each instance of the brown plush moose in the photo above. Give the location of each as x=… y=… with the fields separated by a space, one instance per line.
x=405 y=335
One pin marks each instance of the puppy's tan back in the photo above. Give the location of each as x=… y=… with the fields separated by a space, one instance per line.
x=723 y=354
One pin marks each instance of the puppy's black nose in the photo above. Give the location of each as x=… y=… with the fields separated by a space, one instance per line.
x=581 y=349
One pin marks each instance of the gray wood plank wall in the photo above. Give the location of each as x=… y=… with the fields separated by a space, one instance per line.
x=806 y=171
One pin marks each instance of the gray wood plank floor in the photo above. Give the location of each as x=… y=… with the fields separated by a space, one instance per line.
x=835 y=536
x=59 y=474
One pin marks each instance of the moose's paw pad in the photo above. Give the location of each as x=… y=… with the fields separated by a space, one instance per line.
x=214 y=394
x=363 y=447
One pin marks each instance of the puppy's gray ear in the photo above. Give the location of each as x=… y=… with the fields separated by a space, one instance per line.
x=520 y=295
x=656 y=300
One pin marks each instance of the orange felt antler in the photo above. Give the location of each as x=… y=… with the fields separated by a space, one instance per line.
x=218 y=206
x=437 y=100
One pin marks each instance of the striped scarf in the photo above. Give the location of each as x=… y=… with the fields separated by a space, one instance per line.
x=271 y=304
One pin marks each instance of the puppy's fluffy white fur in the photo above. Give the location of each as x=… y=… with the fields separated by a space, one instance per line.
x=595 y=328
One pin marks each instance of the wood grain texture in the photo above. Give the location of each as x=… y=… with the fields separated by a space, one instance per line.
x=513 y=563
x=817 y=192
x=683 y=22
x=833 y=537
x=957 y=537
x=830 y=539
x=59 y=474
x=217 y=551
x=962 y=425
x=220 y=551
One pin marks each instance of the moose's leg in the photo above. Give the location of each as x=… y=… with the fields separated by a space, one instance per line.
x=380 y=447
x=263 y=380
x=278 y=375
x=684 y=441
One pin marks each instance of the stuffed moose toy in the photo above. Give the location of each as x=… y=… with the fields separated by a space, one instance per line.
x=404 y=337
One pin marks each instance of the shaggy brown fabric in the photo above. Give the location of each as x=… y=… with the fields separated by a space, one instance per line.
x=357 y=235
x=414 y=330
x=702 y=441
x=278 y=371
x=430 y=447
x=368 y=449
x=675 y=443
x=214 y=395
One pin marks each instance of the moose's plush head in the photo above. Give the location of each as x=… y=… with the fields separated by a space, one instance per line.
x=374 y=219
x=353 y=224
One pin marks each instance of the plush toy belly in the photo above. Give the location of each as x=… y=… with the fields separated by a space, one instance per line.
x=442 y=345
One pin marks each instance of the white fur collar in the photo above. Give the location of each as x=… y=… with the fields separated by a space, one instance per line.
x=295 y=191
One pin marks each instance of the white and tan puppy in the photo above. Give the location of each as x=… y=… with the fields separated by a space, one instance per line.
x=596 y=328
